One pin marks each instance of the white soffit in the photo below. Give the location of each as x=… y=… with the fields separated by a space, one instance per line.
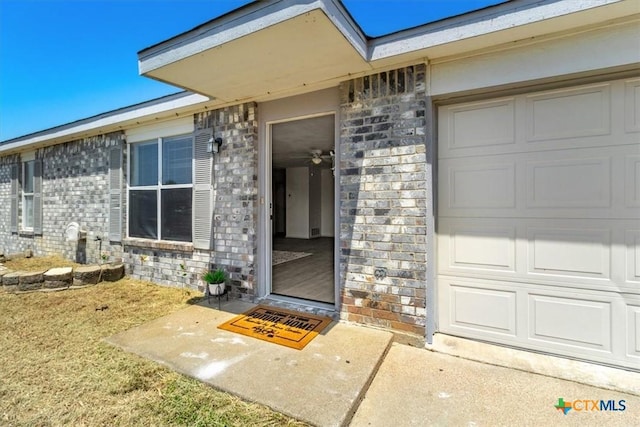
x=302 y=51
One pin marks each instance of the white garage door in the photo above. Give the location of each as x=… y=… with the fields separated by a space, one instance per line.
x=539 y=221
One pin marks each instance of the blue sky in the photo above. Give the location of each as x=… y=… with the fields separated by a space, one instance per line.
x=64 y=60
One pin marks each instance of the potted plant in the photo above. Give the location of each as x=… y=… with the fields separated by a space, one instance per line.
x=215 y=281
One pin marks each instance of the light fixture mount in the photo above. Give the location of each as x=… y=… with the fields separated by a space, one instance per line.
x=213 y=145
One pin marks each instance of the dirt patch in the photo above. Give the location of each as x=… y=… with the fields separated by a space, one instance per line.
x=39 y=263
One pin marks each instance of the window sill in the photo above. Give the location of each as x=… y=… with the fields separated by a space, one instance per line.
x=158 y=244
x=26 y=233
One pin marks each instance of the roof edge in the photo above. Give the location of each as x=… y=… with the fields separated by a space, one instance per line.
x=111 y=118
x=491 y=19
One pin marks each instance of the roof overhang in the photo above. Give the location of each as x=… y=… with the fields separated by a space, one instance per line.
x=269 y=49
x=262 y=49
x=165 y=108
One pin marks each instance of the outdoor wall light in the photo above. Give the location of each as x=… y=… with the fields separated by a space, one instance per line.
x=213 y=146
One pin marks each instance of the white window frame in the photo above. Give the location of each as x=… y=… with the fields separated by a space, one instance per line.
x=27 y=158
x=159 y=186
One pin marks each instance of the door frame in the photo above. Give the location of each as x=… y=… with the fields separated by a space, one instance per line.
x=265 y=237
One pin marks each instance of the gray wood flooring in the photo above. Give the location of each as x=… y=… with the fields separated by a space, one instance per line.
x=309 y=277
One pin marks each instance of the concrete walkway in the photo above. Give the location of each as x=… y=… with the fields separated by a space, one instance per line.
x=416 y=387
x=321 y=384
x=331 y=381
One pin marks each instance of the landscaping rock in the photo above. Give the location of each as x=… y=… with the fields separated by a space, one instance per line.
x=89 y=275
x=58 y=278
x=31 y=280
x=112 y=272
x=9 y=280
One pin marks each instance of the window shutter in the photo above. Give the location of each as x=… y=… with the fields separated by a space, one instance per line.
x=37 y=197
x=202 y=189
x=14 y=197
x=115 y=194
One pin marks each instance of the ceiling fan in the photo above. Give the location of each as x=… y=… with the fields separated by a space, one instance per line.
x=317 y=157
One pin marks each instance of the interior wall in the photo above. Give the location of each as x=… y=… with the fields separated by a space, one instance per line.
x=297 y=203
x=327 y=192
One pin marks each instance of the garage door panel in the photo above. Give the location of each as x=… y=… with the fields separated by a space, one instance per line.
x=482 y=186
x=466 y=126
x=632 y=182
x=569 y=113
x=473 y=307
x=485 y=245
x=573 y=252
x=577 y=183
x=483 y=248
x=570 y=321
x=632 y=105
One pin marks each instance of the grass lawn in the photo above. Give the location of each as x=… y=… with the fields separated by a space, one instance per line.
x=56 y=370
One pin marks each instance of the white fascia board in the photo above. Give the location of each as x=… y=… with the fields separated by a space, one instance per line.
x=106 y=122
x=336 y=12
x=243 y=22
x=501 y=17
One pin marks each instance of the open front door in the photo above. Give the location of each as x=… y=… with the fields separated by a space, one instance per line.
x=301 y=205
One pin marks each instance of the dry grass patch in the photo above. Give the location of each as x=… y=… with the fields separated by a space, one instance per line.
x=56 y=370
x=39 y=263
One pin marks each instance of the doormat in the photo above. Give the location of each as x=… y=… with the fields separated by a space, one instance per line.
x=288 y=328
x=280 y=257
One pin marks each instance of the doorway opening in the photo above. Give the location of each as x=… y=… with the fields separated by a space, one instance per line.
x=302 y=211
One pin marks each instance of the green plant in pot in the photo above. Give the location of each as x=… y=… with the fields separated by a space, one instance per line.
x=215 y=281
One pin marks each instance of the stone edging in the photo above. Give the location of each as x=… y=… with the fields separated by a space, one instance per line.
x=59 y=278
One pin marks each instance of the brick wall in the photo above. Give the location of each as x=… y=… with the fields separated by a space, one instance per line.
x=383 y=199
x=74 y=189
x=165 y=263
x=235 y=210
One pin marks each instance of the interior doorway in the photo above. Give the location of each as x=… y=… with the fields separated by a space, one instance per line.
x=302 y=208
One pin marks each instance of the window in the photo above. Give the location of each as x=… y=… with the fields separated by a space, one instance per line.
x=28 y=169
x=160 y=189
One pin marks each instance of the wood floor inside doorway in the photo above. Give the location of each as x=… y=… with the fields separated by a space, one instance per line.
x=310 y=277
